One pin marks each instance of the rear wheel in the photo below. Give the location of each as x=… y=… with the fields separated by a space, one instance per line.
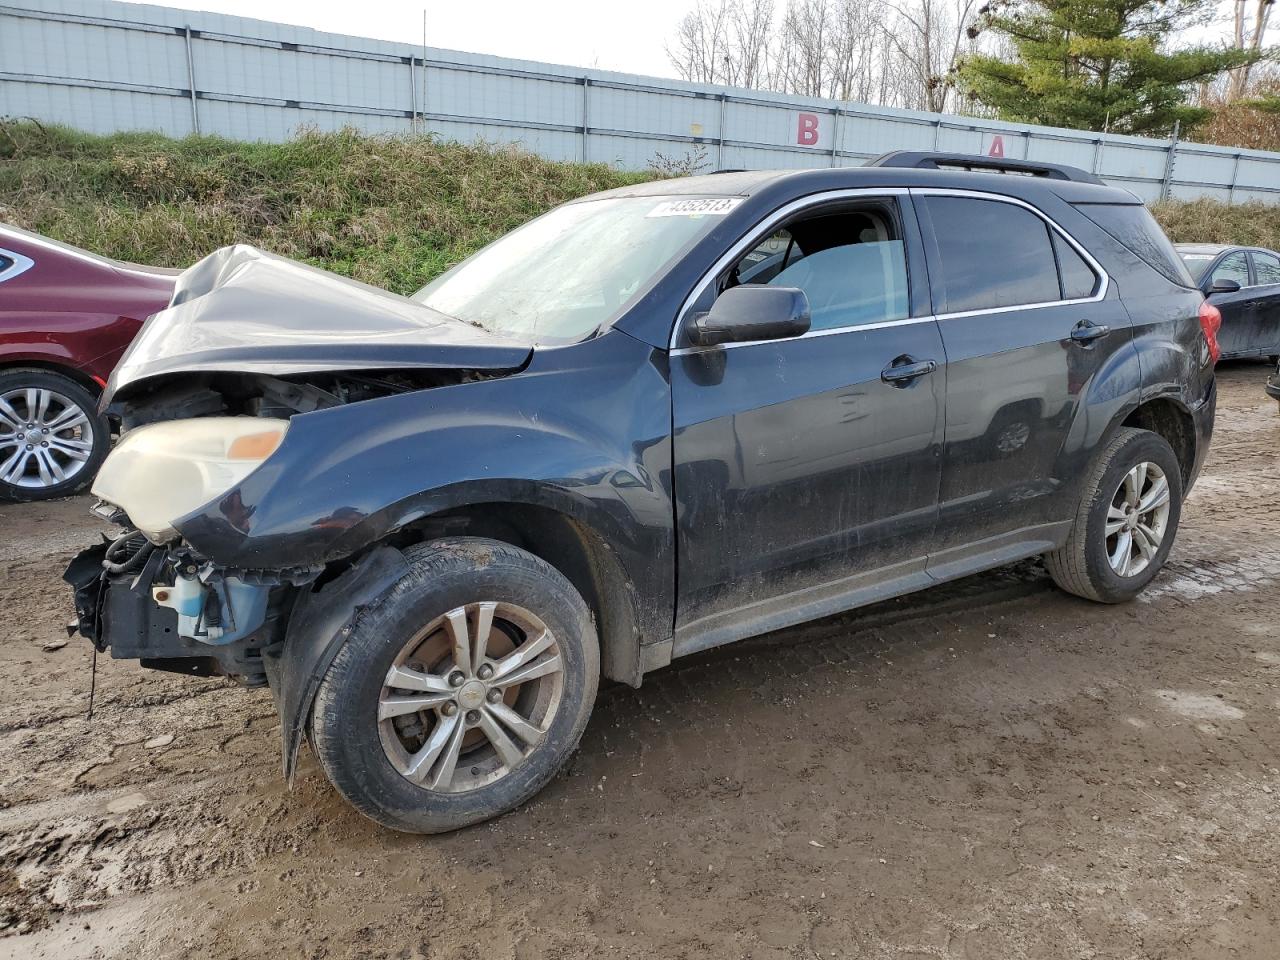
x=1126 y=523
x=461 y=693
x=52 y=439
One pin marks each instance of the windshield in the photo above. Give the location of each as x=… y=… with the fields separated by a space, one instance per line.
x=562 y=276
x=1196 y=263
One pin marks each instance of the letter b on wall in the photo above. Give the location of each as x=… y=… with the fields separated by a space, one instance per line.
x=807 y=129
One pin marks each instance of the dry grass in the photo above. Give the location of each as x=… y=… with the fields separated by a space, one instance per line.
x=1208 y=221
x=392 y=211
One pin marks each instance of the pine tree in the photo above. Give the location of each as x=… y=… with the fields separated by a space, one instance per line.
x=1094 y=64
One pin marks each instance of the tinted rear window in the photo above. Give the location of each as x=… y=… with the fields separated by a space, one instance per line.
x=992 y=254
x=1134 y=227
x=1078 y=279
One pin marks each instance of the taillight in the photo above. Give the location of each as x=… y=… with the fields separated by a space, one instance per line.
x=1211 y=323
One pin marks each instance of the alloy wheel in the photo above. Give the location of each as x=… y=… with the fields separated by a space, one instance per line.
x=45 y=437
x=470 y=696
x=1137 y=519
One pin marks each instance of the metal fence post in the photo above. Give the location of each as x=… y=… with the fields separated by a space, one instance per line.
x=586 y=86
x=191 y=79
x=724 y=99
x=1235 y=175
x=835 y=137
x=937 y=131
x=1169 y=159
x=413 y=92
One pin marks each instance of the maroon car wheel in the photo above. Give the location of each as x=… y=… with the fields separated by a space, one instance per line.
x=51 y=436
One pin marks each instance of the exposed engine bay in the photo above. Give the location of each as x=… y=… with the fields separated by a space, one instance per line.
x=263 y=395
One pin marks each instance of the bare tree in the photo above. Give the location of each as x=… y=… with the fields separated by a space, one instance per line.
x=927 y=39
x=858 y=68
x=1246 y=36
x=725 y=41
x=894 y=52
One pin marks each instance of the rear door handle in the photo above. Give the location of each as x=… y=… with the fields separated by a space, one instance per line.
x=905 y=369
x=1086 y=331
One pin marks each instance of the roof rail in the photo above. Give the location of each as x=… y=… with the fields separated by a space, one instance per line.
x=927 y=160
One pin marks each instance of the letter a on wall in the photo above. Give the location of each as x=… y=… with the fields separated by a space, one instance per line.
x=807 y=130
x=997 y=146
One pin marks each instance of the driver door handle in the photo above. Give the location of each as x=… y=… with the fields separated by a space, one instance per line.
x=1086 y=331
x=905 y=369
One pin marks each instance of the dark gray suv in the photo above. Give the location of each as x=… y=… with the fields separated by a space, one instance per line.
x=649 y=422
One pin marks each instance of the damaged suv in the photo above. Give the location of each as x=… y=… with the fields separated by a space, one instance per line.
x=649 y=422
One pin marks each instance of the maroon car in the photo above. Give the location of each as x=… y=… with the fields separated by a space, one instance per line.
x=66 y=315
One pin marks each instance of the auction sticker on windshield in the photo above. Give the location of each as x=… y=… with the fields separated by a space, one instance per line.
x=716 y=206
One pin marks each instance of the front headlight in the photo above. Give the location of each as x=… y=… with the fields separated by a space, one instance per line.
x=164 y=471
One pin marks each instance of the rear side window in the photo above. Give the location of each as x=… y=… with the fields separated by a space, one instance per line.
x=1133 y=226
x=992 y=254
x=1078 y=279
x=1266 y=266
x=5 y=263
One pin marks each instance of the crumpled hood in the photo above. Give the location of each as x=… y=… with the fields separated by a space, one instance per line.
x=241 y=309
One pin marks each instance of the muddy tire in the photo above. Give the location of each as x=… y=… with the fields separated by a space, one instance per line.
x=1126 y=522
x=52 y=439
x=461 y=692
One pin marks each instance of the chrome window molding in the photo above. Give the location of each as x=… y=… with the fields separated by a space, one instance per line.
x=796 y=206
x=21 y=264
x=1105 y=280
x=811 y=335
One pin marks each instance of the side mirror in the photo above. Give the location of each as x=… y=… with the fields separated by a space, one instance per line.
x=752 y=312
x=1224 y=285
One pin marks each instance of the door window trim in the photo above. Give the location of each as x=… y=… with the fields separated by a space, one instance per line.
x=21 y=264
x=786 y=211
x=1104 y=278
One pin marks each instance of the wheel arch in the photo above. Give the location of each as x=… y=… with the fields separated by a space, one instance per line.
x=576 y=549
x=1167 y=418
x=44 y=365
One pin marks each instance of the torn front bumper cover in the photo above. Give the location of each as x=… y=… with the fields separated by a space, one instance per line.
x=129 y=614
x=85 y=574
x=287 y=645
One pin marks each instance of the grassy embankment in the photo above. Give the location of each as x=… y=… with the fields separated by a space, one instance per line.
x=392 y=211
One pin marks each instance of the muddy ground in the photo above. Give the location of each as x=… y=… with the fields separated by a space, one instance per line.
x=990 y=770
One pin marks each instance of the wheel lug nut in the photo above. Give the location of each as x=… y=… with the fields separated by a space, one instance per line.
x=456 y=679
x=44 y=443
x=494 y=695
x=485 y=672
x=449 y=709
x=30 y=447
x=473 y=716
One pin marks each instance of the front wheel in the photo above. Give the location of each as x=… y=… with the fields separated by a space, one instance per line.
x=1126 y=522
x=460 y=693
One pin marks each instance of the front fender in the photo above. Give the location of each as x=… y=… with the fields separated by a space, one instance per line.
x=583 y=430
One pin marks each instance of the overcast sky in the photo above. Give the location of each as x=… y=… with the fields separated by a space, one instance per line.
x=582 y=33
